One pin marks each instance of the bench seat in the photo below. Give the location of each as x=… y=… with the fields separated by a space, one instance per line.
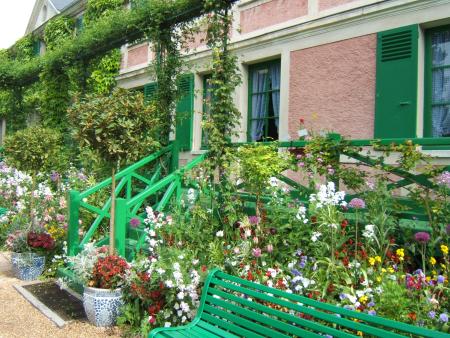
x=234 y=307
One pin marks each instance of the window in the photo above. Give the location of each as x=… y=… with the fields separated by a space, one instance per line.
x=437 y=83
x=207 y=97
x=264 y=101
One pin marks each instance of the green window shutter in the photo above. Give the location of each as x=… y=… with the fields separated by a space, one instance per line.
x=184 y=111
x=396 y=87
x=37 y=48
x=79 y=24
x=150 y=91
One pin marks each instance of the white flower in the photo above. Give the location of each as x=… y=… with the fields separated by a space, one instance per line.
x=315 y=236
x=167 y=324
x=195 y=262
x=180 y=295
x=369 y=231
x=327 y=196
x=169 y=284
x=219 y=233
x=160 y=271
x=273 y=181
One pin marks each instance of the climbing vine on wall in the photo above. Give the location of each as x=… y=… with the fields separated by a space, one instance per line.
x=224 y=116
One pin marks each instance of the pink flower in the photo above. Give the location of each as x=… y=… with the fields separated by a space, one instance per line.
x=357 y=203
x=135 y=222
x=256 y=252
x=422 y=237
x=269 y=248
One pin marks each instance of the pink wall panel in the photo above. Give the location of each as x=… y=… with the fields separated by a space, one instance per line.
x=271 y=13
x=326 y=4
x=137 y=55
x=332 y=87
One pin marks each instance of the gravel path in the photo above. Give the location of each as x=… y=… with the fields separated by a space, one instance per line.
x=18 y=318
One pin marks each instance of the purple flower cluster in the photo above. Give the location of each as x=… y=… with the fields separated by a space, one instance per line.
x=422 y=237
x=357 y=203
x=135 y=222
x=253 y=220
x=444 y=179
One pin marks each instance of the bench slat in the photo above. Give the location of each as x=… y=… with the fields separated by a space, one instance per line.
x=266 y=322
x=391 y=324
x=230 y=326
x=286 y=316
x=214 y=331
x=352 y=325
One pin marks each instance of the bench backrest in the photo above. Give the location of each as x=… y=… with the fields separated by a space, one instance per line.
x=253 y=310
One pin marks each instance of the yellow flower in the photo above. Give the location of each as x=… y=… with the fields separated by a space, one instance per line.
x=432 y=260
x=378 y=279
x=383 y=270
x=400 y=254
x=444 y=249
x=359 y=333
x=443 y=266
x=427 y=278
x=372 y=261
x=391 y=269
x=363 y=299
x=434 y=272
x=378 y=259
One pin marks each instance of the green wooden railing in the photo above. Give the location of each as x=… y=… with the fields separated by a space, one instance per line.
x=162 y=186
x=132 y=190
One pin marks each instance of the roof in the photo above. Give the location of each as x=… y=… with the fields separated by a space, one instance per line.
x=61 y=4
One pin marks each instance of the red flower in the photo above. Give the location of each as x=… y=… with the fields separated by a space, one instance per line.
x=412 y=316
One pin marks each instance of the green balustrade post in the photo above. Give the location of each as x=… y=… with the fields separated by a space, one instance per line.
x=73 y=239
x=121 y=225
x=175 y=157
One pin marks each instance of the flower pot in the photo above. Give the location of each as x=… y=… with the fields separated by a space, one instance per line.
x=102 y=306
x=27 y=266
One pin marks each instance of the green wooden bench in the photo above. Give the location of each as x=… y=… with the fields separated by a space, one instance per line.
x=234 y=307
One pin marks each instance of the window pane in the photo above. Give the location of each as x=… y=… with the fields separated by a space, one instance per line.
x=441 y=85
x=440 y=44
x=441 y=121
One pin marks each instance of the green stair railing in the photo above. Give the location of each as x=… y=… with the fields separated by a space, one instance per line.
x=132 y=191
x=405 y=178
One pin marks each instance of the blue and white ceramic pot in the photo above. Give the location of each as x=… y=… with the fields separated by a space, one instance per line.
x=27 y=266
x=102 y=306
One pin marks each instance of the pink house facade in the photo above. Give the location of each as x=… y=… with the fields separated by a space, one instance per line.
x=362 y=68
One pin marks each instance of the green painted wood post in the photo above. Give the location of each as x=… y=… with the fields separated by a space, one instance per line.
x=174 y=159
x=121 y=225
x=73 y=239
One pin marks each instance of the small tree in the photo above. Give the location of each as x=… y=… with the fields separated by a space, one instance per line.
x=120 y=128
x=33 y=150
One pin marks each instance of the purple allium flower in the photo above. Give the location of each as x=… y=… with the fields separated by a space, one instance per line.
x=371 y=304
x=253 y=219
x=422 y=237
x=135 y=222
x=342 y=296
x=55 y=176
x=357 y=203
x=256 y=252
x=372 y=312
x=431 y=314
x=444 y=179
x=443 y=318
x=440 y=279
x=303 y=261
